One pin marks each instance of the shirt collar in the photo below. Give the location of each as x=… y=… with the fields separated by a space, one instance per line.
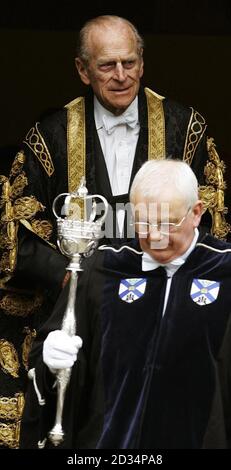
x=149 y=263
x=100 y=111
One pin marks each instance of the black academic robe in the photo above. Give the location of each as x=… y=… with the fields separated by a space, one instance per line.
x=143 y=380
x=45 y=187
x=53 y=131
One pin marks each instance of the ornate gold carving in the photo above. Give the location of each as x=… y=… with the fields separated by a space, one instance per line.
x=213 y=194
x=9 y=358
x=195 y=131
x=37 y=144
x=76 y=142
x=27 y=344
x=20 y=305
x=11 y=408
x=156 y=125
x=9 y=434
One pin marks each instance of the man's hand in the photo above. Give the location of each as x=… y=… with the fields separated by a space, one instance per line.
x=60 y=350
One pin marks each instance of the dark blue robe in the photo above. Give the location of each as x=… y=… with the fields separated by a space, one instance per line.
x=143 y=380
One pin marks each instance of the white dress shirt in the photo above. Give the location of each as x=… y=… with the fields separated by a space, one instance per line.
x=118 y=146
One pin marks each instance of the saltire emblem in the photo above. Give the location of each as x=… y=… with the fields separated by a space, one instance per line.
x=132 y=289
x=203 y=291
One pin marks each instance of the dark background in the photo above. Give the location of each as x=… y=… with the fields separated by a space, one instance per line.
x=187 y=57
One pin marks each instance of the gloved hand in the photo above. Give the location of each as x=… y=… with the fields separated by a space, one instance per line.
x=60 y=350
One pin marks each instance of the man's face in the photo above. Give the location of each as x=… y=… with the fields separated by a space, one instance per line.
x=166 y=247
x=115 y=67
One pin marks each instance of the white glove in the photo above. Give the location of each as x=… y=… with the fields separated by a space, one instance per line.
x=60 y=350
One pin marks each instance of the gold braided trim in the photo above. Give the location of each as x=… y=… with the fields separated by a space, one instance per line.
x=11 y=408
x=156 y=125
x=213 y=194
x=195 y=132
x=27 y=344
x=9 y=358
x=76 y=142
x=37 y=144
x=20 y=305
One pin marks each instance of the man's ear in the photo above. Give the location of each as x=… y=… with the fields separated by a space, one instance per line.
x=197 y=211
x=82 y=71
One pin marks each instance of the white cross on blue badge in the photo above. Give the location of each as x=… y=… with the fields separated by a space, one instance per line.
x=204 y=292
x=132 y=289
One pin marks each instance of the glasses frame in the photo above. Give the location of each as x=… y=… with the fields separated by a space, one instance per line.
x=161 y=224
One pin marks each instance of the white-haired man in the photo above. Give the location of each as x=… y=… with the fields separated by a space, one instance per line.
x=153 y=337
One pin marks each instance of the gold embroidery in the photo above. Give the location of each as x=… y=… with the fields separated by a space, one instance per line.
x=18 y=185
x=43 y=228
x=28 y=225
x=9 y=358
x=26 y=207
x=7 y=264
x=17 y=164
x=27 y=344
x=195 y=131
x=156 y=125
x=20 y=305
x=7 y=236
x=11 y=408
x=15 y=209
x=213 y=194
x=9 y=434
x=36 y=143
x=208 y=195
x=6 y=190
x=76 y=142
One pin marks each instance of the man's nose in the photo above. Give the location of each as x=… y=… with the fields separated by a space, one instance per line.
x=120 y=73
x=155 y=235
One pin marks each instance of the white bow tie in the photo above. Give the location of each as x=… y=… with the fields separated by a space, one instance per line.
x=149 y=263
x=110 y=122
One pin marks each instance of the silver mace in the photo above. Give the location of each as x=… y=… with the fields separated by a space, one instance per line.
x=78 y=237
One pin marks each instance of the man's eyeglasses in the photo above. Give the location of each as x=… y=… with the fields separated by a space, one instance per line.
x=165 y=228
